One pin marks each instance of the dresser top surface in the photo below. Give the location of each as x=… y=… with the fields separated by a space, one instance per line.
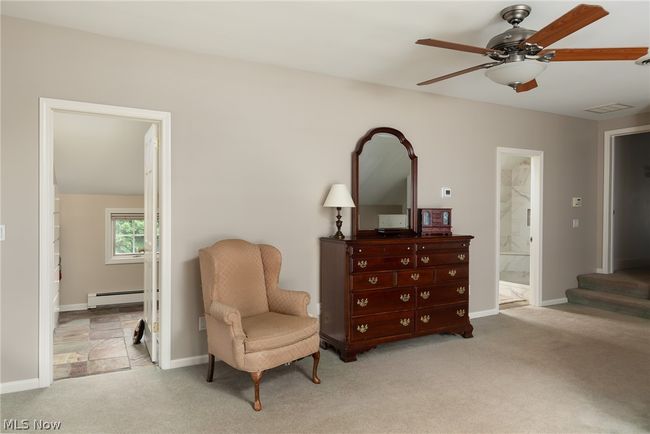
x=399 y=240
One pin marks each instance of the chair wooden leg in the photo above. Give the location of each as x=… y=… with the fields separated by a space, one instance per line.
x=257 y=377
x=210 y=367
x=314 y=374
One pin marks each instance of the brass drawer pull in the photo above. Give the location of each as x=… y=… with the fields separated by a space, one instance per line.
x=424 y=259
x=460 y=290
x=362 y=264
x=425 y=294
x=405 y=321
x=405 y=297
x=425 y=318
x=460 y=312
x=461 y=256
x=363 y=302
x=452 y=273
x=373 y=280
x=415 y=276
x=405 y=261
x=362 y=328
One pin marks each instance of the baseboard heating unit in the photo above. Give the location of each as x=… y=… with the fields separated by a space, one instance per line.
x=120 y=297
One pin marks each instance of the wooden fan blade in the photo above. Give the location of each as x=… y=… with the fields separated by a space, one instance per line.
x=572 y=21
x=454 y=46
x=525 y=87
x=464 y=71
x=582 y=54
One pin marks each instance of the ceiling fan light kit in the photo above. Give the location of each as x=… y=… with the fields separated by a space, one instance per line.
x=519 y=55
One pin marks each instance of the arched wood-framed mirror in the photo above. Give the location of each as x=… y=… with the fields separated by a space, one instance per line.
x=384 y=184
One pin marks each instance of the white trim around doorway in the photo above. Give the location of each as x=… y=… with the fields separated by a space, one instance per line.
x=47 y=107
x=608 y=191
x=536 y=224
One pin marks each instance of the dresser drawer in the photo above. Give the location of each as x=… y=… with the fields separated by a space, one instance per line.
x=432 y=319
x=379 y=326
x=372 y=280
x=391 y=300
x=432 y=247
x=382 y=263
x=451 y=272
x=437 y=258
x=435 y=295
x=383 y=250
x=414 y=277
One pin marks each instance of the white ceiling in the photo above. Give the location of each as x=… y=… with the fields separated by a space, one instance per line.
x=374 y=42
x=98 y=154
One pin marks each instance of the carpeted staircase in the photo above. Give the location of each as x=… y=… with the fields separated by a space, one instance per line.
x=625 y=291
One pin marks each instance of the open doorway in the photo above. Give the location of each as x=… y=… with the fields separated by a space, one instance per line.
x=104 y=170
x=519 y=187
x=626 y=223
x=99 y=243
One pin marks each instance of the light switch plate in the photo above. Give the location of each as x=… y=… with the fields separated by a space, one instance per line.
x=201 y=323
x=575 y=223
x=445 y=192
x=576 y=202
x=2 y=232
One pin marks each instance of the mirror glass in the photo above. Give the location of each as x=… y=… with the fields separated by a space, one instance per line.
x=384 y=184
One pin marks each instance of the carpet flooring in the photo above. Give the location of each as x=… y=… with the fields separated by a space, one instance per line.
x=568 y=368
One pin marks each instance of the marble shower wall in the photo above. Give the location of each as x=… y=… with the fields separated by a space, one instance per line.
x=515 y=228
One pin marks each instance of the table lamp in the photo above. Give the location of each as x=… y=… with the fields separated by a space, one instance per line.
x=338 y=197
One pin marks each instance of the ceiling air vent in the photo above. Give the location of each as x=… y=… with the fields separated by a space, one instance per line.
x=608 y=108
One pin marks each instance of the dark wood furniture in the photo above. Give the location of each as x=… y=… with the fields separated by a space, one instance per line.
x=377 y=290
x=434 y=221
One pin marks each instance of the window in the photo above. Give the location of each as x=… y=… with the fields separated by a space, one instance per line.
x=125 y=235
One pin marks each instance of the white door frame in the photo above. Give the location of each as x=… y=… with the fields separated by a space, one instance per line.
x=536 y=231
x=608 y=191
x=47 y=107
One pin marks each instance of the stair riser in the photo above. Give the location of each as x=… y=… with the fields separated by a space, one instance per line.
x=628 y=310
x=629 y=291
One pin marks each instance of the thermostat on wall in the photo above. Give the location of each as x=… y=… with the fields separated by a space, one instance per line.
x=576 y=202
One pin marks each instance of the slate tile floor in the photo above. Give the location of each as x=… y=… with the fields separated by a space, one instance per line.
x=98 y=340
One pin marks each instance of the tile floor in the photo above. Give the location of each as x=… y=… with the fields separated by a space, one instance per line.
x=98 y=340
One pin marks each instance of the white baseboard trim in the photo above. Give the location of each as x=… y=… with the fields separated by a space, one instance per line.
x=189 y=361
x=19 y=386
x=482 y=313
x=600 y=270
x=554 y=301
x=71 y=307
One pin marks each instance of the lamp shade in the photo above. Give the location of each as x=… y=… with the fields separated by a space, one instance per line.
x=515 y=72
x=339 y=197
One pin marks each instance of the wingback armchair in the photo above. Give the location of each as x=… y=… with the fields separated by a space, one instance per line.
x=252 y=324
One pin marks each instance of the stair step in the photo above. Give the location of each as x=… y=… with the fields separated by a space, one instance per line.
x=610 y=301
x=628 y=283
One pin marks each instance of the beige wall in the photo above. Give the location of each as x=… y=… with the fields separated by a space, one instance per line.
x=82 y=248
x=254 y=151
x=604 y=126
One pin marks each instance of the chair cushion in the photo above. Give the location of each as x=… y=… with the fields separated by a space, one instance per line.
x=270 y=330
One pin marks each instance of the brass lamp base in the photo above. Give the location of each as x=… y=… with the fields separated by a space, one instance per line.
x=338 y=235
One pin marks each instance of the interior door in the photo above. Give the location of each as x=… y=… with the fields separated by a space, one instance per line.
x=150 y=241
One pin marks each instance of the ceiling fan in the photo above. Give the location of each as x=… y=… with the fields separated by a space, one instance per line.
x=519 y=55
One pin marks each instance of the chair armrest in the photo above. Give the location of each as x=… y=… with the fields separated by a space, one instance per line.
x=288 y=302
x=229 y=316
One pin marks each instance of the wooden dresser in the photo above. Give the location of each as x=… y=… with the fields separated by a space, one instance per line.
x=376 y=290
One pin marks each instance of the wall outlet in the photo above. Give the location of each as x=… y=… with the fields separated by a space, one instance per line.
x=575 y=223
x=202 y=323
x=2 y=232
x=576 y=202
x=445 y=192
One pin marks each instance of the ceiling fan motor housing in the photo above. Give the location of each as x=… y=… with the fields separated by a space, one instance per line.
x=509 y=40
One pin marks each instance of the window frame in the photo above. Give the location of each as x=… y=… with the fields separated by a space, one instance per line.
x=109 y=238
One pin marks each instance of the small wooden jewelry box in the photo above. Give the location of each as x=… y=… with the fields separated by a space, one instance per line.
x=434 y=221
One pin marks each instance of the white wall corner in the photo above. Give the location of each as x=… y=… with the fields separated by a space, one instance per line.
x=554 y=301
x=19 y=386
x=482 y=313
x=189 y=361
